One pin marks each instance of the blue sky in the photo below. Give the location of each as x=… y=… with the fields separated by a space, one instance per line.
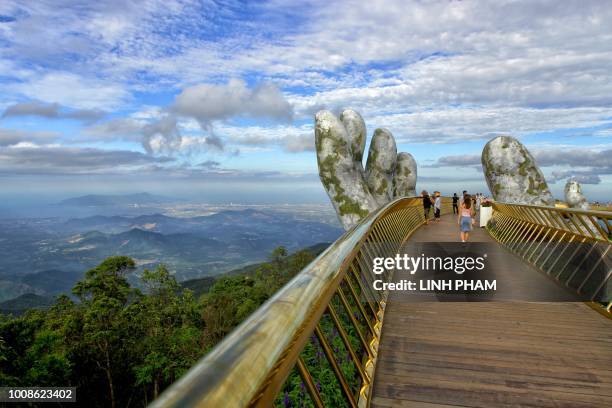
x=218 y=97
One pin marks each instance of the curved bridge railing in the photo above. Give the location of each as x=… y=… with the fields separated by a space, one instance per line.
x=317 y=338
x=571 y=246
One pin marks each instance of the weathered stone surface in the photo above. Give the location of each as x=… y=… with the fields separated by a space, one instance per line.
x=380 y=166
x=512 y=174
x=356 y=128
x=343 y=182
x=574 y=197
x=405 y=177
x=353 y=191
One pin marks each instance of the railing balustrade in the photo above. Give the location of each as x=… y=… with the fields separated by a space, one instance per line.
x=571 y=246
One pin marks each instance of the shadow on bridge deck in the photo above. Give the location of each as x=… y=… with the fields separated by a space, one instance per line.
x=492 y=354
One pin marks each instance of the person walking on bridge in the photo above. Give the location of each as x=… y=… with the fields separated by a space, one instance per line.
x=455 y=203
x=465 y=218
x=427 y=202
x=437 y=205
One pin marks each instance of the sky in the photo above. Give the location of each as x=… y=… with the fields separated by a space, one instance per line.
x=217 y=98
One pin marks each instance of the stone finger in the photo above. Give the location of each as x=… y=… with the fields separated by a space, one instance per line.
x=344 y=184
x=380 y=166
x=405 y=176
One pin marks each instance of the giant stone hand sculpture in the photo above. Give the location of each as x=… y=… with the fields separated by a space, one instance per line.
x=404 y=180
x=353 y=191
x=574 y=197
x=512 y=174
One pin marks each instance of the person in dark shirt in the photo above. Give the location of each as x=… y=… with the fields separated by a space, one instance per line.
x=427 y=202
x=455 y=204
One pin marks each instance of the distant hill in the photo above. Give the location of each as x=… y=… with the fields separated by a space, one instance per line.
x=47 y=256
x=117 y=223
x=53 y=281
x=99 y=200
x=199 y=286
x=227 y=237
x=12 y=288
x=202 y=285
x=24 y=302
x=58 y=281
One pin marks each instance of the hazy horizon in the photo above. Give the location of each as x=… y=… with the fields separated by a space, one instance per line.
x=47 y=203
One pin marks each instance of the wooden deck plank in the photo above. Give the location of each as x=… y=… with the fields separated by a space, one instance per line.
x=492 y=354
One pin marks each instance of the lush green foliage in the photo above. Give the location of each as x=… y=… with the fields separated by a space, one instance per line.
x=121 y=346
x=294 y=392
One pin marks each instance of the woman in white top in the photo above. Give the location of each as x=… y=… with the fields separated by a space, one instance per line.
x=437 y=206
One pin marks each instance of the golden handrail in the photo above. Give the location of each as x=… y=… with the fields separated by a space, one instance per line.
x=249 y=367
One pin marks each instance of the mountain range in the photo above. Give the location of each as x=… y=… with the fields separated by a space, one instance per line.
x=198 y=286
x=115 y=200
x=46 y=256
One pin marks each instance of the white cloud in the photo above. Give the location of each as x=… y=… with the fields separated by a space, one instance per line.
x=74 y=91
x=585 y=164
x=459 y=160
x=548 y=79
x=50 y=111
x=206 y=102
x=453 y=125
x=299 y=143
x=603 y=133
x=12 y=137
x=52 y=159
x=292 y=139
x=119 y=128
x=426 y=53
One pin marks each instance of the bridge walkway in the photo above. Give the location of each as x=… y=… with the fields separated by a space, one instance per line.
x=492 y=354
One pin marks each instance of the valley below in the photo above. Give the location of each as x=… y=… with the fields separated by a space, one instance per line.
x=46 y=256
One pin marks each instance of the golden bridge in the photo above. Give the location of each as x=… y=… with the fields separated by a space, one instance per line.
x=382 y=351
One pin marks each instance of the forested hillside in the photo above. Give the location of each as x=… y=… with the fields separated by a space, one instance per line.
x=121 y=346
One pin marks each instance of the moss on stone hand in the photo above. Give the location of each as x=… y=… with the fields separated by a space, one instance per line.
x=373 y=159
x=531 y=189
x=351 y=207
x=382 y=187
x=523 y=167
x=346 y=205
x=497 y=188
